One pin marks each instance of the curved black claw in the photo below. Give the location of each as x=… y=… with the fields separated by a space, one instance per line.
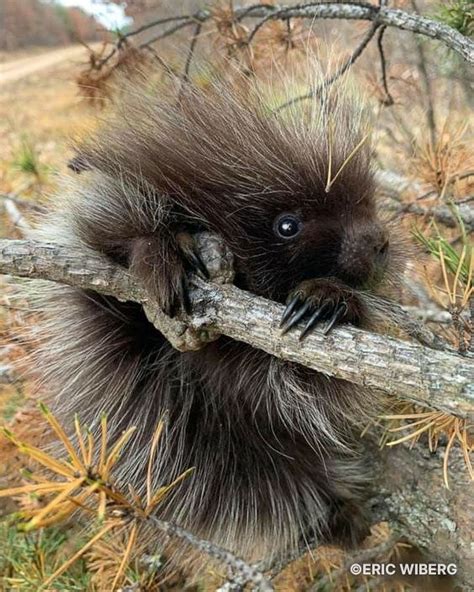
x=295 y=319
x=312 y=310
x=190 y=262
x=290 y=307
x=339 y=313
x=198 y=264
x=315 y=317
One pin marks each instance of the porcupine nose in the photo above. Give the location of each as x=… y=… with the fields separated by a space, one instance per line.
x=363 y=254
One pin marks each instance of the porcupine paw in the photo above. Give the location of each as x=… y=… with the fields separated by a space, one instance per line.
x=164 y=265
x=348 y=525
x=318 y=300
x=189 y=262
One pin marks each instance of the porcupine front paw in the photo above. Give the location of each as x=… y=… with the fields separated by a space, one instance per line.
x=318 y=300
x=164 y=264
x=191 y=263
x=348 y=526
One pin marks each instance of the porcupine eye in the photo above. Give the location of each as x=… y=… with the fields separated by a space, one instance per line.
x=287 y=226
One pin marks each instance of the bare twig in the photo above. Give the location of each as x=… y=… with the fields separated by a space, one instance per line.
x=383 y=64
x=245 y=12
x=425 y=79
x=161 y=21
x=167 y=33
x=442 y=214
x=437 y=379
x=23 y=203
x=339 y=72
x=247 y=573
x=192 y=47
x=271 y=16
x=380 y=15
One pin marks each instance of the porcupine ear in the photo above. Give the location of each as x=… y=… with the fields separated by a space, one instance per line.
x=78 y=164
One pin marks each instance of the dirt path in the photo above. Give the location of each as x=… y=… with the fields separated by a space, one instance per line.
x=18 y=69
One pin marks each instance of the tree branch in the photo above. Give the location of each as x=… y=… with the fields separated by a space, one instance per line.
x=379 y=15
x=437 y=379
x=413 y=497
x=339 y=72
x=442 y=213
x=410 y=494
x=245 y=572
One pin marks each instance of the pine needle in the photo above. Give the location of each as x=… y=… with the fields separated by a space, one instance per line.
x=116 y=450
x=154 y=445
x=162 y=491
x=68 y=489
x=79 y=554
x=331 y=182
x=126 y=556
x=80 y=440
x=61 y=434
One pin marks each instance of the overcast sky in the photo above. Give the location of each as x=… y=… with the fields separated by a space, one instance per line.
x=110 y=15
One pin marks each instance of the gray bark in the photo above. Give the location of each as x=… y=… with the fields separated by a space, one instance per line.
x=438 y=379
x=413 y=497
x=382 y=15
x=379 y=15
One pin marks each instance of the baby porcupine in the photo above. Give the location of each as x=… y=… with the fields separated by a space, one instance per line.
x=292 y=194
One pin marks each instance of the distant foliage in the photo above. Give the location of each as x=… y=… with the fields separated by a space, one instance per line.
x=25 y=23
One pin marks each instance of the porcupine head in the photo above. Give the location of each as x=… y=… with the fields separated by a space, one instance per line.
x=292 y=194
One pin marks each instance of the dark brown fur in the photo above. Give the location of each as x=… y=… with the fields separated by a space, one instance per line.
x=272 y=443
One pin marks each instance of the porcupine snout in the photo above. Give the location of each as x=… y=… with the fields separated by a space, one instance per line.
x=363 y=255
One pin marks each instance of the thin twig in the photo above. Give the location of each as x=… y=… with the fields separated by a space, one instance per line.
x=288 y=33
x=160 y=60
x=272 y=16
x=243 y=13
x=248 y=572
x=442 y=214
x=161 y=21
x=167 y=33
x=388 y=101
x=426 y=81
x=380 y=15
x=347 y=64
x=192 y=47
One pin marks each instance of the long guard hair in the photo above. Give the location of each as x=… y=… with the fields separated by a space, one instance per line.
x=273 y=446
